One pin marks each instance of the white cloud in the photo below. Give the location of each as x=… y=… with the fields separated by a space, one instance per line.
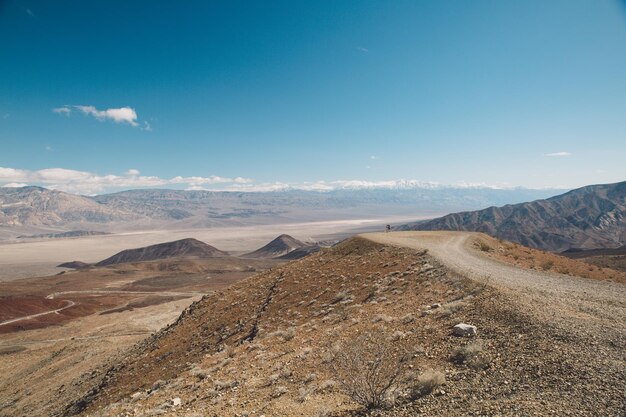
x=132 y=172
x=119 y=115
x=48 y=147
x=30 y=13
x=362 y=49
x=558 y=154
x=64 y=110
x=373 y=157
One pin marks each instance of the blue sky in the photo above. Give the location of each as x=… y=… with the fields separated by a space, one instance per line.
x=247 y=94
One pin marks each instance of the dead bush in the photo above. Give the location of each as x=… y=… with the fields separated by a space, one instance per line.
x=426 y=383
x=286 y=335
x=471 y=355
x=368 y=371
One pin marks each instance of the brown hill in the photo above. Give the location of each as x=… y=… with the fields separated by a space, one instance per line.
x=177 y=248
x=282 y=245
x=591 y=217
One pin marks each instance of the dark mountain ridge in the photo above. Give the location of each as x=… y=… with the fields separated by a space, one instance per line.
x=591 y=217
x=281 y=246
x=177 y=248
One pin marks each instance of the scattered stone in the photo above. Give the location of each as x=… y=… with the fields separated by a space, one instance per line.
x=436 y=305
x=464 y=330
x=176 y=401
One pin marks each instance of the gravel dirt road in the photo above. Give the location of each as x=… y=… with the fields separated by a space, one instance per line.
x=563 y=300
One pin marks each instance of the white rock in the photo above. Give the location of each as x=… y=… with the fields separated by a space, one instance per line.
x=176 y=401
x=463 y=329
x=436 y=305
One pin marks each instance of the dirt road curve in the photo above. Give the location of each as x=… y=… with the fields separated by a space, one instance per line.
x=69 y=303
x=591 y=306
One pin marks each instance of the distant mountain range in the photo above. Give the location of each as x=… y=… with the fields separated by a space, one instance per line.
x=35 y=210
x=591 y=217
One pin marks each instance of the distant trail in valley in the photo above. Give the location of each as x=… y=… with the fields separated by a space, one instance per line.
x=98 y=292
x=159 y=294
x=70 y=303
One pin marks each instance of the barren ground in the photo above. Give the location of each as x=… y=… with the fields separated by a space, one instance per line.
x=547 y=343
x=265 y=345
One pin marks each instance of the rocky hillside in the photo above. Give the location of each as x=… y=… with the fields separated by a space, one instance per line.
x=177 y=248
x=586 y=218
x=309 y=337
x=36 y=206
x=282 y=245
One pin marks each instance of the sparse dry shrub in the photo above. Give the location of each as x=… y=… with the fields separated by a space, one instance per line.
x=285 y=373
x=280 y=391
x=306 y=351
x=210 y=393
x=222 y=385
x=303 y=394
x=323 y=411
x=368 y=371
x=286 y=335
x=471 y=355
x=483 y=246
x=397 y=335
x=198 y=372
x=310 y=378
x=328 y=385
x=273 y=379
x=341 y=296
x=547 y=265
x=382 y=317
x=426 y=383
x=229 y=351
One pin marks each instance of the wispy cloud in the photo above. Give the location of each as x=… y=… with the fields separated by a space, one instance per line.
x=373 y=157
x=558 y=154
x=362 y=49
x=30 y=13
x=65 y=110
x=118 y=115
